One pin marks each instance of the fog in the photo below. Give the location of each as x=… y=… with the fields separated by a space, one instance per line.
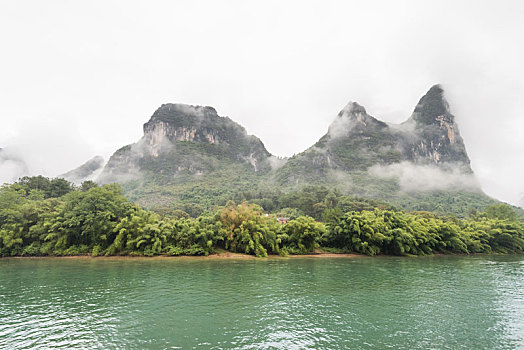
x=12 y=166
x=80 y=78
x=344 y=123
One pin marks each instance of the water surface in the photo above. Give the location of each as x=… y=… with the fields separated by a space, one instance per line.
x=301 y=303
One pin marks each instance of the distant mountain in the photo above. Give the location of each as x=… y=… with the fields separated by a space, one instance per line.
x=190 y=155
x=87 y=171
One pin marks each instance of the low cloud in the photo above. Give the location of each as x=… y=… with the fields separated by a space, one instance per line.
x=124 y=164
x=414 y=177
x=343 y=123
x=520 y=203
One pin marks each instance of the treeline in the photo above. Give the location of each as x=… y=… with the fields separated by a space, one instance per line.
x=307 y=201
x=39 y=216
x=35 y=219
x=421 y=233
x=312 y=200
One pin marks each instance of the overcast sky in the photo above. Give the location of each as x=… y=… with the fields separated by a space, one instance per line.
x=79 y=78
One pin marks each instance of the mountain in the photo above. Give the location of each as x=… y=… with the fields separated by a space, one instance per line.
x=356 y=141
x=191 y=155
x=420 y=164
x=87 y=171
x=189 y=151
x=436 y=135
x=186 y=140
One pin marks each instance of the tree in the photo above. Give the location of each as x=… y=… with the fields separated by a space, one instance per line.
x=89 y=218
x=58 y=188
x=500 y=211
x=247 y=230
x=302 y=235
x=87 y=185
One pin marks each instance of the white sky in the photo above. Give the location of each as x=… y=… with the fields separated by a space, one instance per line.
x=79 y=78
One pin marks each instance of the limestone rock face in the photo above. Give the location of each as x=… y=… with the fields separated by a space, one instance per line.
x=437 y=136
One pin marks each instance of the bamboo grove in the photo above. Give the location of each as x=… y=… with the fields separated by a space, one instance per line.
x=40 y=217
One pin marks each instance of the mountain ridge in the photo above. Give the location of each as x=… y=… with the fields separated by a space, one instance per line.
x=188 y=152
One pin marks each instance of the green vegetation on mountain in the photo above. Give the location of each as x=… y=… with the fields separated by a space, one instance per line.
x=39 y=216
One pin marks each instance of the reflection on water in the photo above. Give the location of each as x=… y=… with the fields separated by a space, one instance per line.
x=300 y=303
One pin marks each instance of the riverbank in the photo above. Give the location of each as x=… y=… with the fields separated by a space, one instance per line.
x=219 y=255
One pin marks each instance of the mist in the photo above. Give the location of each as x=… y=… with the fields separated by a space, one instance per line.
x=12 y=167
x=49 y=145
x=72 y=90
x=413 y=177
x=343 y=123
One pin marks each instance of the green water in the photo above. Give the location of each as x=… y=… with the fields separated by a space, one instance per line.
x=300 y=303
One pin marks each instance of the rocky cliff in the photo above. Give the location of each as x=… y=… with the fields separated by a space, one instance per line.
x=436 y=136
x=186 y=140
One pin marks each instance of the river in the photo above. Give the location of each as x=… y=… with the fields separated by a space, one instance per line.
x=439 y=302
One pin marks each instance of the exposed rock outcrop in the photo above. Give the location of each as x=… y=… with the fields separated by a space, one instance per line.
x=437 y=138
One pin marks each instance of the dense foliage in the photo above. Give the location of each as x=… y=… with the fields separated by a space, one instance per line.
x=420 y=233
x=35 y=219
x=39 y=216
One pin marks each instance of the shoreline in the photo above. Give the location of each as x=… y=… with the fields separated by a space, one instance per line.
x=225 y=255
x=217 y=256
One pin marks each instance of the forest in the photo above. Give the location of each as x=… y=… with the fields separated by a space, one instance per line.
x=52 y=217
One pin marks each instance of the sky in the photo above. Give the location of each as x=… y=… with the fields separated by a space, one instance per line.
x=80 y=78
